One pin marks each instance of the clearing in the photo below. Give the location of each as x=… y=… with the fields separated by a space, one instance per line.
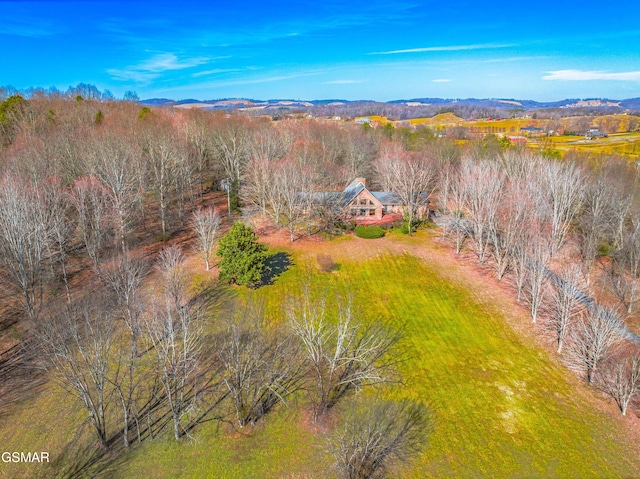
x=502 y=404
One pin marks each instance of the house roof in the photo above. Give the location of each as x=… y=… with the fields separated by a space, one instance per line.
x=353 y=189
x=387 y=197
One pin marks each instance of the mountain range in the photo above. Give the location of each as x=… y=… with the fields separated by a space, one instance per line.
x=468 y=108
x=504 y=104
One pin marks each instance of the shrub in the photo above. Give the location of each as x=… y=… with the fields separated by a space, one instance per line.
x=162 y=237
x=414 y=226
x=345 y=225
x=369 y=232
x=605 y=250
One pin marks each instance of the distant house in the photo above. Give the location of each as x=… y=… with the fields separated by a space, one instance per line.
x=595 y=133
x=532 y=131
x=363 y=119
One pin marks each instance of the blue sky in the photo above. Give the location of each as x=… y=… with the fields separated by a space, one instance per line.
x=357 y=49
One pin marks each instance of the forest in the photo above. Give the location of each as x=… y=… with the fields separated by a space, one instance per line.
x=105 y=203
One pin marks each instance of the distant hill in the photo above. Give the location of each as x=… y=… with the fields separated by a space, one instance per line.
x=407 y=109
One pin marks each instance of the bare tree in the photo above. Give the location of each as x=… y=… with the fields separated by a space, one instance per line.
x=411 y=177
x=291 y=194
x=566 y=302
x=260 y=368
x=519 y=262
x=376 y=435
x=624 y=272
x=535 y=257
x=162 y=151
x=359 y=148
x=197 y=130
x=232 y=140
x=269 y=143
x=92 y=201
x=260 y=187
x=595 y=334
x=114 y=157
x=457 y=226
x=343 y=357
x=173 y=329
x=620 y=378
x=594 y=222
x=76 y=347
x=62 y=226
x=25 y=234
x=205 y=222
x=124 y=276
x=560 y=186
x=483 y=193
x=512 y=216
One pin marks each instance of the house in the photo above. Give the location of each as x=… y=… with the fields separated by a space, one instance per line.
x=365 y=206
x=359 y=204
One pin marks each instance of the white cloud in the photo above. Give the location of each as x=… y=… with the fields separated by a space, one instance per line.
x=132 y=75
x=215 y=71
x=449 y=48
x=168 y=61
x=25 y=30
x=441 y=80
x=151 y=68
x=343 y=82
x=581 y=75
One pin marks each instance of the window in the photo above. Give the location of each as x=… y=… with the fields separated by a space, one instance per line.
x=372 y=212
x=362 y=212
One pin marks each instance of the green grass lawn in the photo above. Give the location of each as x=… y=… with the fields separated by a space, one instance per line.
x=501 y=407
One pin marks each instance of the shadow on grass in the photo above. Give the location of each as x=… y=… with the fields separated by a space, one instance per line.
x=20 y=378
x=326 y=263
x=84 y=457
x=274 y=266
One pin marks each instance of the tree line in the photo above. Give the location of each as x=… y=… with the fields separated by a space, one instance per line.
x=564 y=233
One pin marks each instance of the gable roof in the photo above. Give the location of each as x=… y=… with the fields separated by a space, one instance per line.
x=353 y=189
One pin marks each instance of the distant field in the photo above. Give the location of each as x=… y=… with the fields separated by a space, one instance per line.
x=501 y=406
x=383 y=120
x=626 y=144
x=443 y=119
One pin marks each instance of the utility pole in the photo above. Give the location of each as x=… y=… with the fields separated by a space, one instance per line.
x=227 y=187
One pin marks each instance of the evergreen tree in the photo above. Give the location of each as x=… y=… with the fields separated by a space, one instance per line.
x=243 y=258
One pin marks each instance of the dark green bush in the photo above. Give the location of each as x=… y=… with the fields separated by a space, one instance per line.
x=415 y=224
x=605 y=250
x=369 y=232
x=345 y=225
